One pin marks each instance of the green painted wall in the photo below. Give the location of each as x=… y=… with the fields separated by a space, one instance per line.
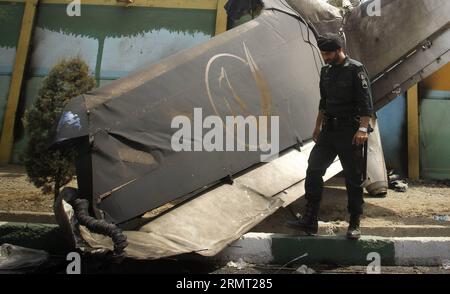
x=10 y=21
x=112 y=40
x=435 y=135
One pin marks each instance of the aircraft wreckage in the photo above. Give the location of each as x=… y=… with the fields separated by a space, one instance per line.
x=126 y=166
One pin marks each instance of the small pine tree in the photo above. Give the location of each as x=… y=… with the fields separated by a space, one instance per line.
x=52 y=169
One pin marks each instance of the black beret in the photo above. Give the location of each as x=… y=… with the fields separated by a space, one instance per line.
x=330 y=42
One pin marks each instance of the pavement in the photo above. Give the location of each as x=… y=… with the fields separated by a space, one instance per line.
x=261 y=248
x=325 y=228
x=276 y=249
x=27 y=217
x=36 y=236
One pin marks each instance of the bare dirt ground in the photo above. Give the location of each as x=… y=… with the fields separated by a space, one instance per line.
x=423 y=201
x=419 y=205
x=18 y=194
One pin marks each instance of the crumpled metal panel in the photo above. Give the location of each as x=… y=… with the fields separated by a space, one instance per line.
x=134 y=169
x=380 y=41
x=260 y=68
x=323 y=16
x=212 y=221
x=417 y=67
x=383 y=42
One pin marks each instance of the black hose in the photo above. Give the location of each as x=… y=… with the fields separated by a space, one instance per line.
x=81 y=209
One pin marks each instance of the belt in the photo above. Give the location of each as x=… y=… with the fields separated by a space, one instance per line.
x=340 y=118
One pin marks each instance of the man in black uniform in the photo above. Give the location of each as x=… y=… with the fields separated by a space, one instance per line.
x=342 y=125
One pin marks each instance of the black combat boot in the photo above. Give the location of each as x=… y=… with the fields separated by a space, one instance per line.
x=354 y=232
x=308 y=223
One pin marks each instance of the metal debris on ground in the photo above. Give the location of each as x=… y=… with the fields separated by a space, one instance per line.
x=124 y=174
x=446 y=264
x=441 y=218
x=399 y=186
x=396 y=182
x=304 y=270
x=15 y=257
x=240 y=264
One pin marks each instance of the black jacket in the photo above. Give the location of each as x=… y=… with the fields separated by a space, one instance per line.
x=346 y=90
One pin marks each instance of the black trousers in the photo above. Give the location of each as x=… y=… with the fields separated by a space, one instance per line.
x=336 y=140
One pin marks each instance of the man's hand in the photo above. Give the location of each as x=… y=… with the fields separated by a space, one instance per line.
x=318 y=129
x=360 y=138
x=316 y=134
